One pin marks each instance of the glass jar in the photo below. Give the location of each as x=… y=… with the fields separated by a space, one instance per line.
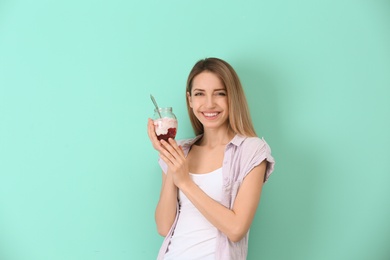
x=165 y=123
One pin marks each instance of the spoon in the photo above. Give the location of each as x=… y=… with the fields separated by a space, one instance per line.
x=155 y=104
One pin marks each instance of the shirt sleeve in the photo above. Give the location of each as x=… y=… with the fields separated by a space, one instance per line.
x=258 y=150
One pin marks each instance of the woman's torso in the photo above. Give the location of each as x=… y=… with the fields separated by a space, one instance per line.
x=194 y=236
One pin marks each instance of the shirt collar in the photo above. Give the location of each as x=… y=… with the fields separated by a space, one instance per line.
x=237 y=140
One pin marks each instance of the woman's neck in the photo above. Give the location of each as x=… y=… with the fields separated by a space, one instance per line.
x=216 y=137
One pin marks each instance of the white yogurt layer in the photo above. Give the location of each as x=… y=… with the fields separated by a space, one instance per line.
x=161 y=125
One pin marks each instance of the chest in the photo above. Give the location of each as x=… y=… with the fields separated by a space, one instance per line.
x=202 y=160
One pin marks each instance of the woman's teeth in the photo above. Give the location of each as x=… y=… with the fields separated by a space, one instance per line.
x=210 y=114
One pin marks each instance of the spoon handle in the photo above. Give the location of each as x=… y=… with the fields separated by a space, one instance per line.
x=155 y=104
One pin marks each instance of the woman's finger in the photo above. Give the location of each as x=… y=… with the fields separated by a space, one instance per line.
x=151 y=132
x=170 y=148
x=150 y=128
x=175 y=155
x=168 y=158
x=177 y=148
x=152 y=136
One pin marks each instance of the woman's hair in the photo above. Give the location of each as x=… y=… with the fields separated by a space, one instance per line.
x=239 y=118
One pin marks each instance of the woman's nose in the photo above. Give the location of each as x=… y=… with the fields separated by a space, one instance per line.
x=210 y=102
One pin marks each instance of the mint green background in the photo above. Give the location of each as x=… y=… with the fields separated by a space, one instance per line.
x=78 y=177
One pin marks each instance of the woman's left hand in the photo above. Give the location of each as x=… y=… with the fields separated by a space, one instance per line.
x=174 y=157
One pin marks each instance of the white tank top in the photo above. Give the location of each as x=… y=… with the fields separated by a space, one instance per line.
x=194 y=236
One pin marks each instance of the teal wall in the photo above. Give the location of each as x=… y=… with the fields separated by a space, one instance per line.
x=78 y=177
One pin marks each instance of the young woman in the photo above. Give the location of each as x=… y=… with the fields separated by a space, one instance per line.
x=211 y=184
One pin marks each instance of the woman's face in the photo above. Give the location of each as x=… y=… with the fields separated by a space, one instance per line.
x=208 y=100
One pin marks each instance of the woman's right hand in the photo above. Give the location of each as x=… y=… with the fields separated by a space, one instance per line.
x=153 y=137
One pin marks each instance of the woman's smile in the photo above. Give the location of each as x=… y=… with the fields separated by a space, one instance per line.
x=210 y=115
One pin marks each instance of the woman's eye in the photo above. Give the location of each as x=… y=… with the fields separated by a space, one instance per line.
x=221 y=94
x=198 y=94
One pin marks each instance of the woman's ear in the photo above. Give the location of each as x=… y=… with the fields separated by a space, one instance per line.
x=189 y=99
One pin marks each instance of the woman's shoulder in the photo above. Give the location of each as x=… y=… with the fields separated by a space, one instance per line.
x=255 y=150
x=253 y=142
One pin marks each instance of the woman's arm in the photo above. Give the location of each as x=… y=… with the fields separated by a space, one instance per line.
x=165 y=213
x=235 y=222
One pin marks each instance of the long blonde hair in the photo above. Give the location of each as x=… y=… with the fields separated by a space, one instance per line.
x=239 y=118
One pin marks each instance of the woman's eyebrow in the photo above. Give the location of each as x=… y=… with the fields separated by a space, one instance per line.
x=214 y=90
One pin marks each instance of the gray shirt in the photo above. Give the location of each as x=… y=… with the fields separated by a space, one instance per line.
x=242 y=154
